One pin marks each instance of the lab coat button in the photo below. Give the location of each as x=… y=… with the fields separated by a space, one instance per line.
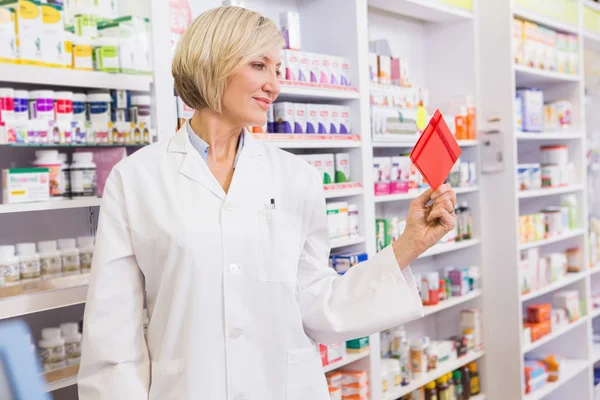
x=235 y=334
x=233 y=268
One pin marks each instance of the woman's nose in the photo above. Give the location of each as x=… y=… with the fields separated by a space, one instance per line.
x=273 y=86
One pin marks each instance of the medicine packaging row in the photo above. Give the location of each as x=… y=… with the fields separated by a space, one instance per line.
x=342 y=219
x=334 y=168
x=288 y=117
x=538 y=271
x=301 y=66
x=539 y=370
x=387 y=70
x=542 y=319
x=60 y=346
x=348 y=384
x=544 y=48
x=49 y=259
x=532 y=115
x=393 y=175
x=551 y=221
x=398 y=96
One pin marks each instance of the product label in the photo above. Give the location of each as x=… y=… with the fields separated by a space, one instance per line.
x=83 y=182
x=53 y=357
x=70 y=263
x=29 y=269
x=50 y=266
x=11 y=273
x=82 y=57
x=73 y=350
x=86 y=262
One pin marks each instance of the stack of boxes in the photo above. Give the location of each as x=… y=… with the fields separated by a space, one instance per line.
x=307 y=118
x=541 y=319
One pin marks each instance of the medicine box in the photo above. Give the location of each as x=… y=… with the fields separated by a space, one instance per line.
x=328 y=168
x=29 y=30
x=334 y=379
x=52 y=42
x=284 y=117
x=324 y=119
x=568 y=300
x=334 y=119
x=290 y=29
x=343 y=262
x=314 y=67
x=303 y=66
x=336 y=70
x=345 y=119
x=8 y=40
x=335 y=393
x=472 y=319
x=24 y=185
x=384 y=70
x=312 y=118
x=532 y=101
x=325 y=69
x=345 y=77
x=342 y=167
x=359 y=378
x=538 y=312
x=292 y=65
x=373 y=69
x=300 y=119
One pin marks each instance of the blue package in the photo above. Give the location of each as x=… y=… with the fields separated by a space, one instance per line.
x=343 y=262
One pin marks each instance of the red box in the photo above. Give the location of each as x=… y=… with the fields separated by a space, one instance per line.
x=539 y=329
x=538 y=312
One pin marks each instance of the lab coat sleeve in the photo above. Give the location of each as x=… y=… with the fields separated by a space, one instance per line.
x=115 y=363
x=370 y=297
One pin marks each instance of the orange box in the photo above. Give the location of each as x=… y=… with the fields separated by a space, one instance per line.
x=355 y=392
x=538 y=312
x=334 y=379
x=539 y=329
x=359 y=378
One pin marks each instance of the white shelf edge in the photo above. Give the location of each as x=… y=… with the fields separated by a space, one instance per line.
x=595 y=313
x=49 y=205
x=347 y=359
x=567 y=280
x=527 y=194
x=413 y=194
x=565 y=236
x=444 y=368
x=434 y=12
x=452 y=302
x=411 y=143
x=544 y=20
x=290 y=90
x=549 y=135
x=314 y=144
x=449 y=247
x=573 y=368
x=332 y=194
x=595 y=353
x=63 y=383
x=337 y=243
x=545 y=75
x=553 y=335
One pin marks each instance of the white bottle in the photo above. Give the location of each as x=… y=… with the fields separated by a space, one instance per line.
x=29 y=262
x=65 y=169
x=9 y=266
x=83 y=175
x=353 y=221
x=72 y=338
x=50 y=259
x=71 y=264
x=52 y=349
x=86 y=252
x=50 y=159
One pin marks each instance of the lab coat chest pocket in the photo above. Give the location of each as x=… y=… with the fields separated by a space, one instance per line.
x=305 y=378
x=279 y=235
x=168 y=380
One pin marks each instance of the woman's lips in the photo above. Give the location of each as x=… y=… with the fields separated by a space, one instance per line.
x=263 y=102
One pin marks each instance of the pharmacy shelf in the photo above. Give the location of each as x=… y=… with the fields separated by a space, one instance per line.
x=309 y=141
x=313 y=91
x=526 y=194
x=413 y=194
x=595 y=352
x=431 y=11
x=347 y=359
x=567 y=280
x=528 y=76
x=451 y=302
x=42 y=295
x=337 y=243
x=74 y=145
x=556 y=239
x=391 y=142
x=49 y=205
x=63 y=77
x=61 y=378
x=337 y=190
x=62 y=384
x=523 y=13
x=553 y=335
x=568 y=370
x=442 y=369
x=448 y=247
x=549 y=135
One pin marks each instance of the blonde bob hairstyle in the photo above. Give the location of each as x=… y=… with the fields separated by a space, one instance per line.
x=213 y=47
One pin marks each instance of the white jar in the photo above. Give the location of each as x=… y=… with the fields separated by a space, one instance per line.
x=9 y=266
x=63 y=106
x=71 y=264
x=72 y=338
x=140 y=110
x=86 y=252
x=50 y=259
x=65 y=171
x=41 y=105
x=52 y=349
x=29 y=262
x=353 y=221
x=49 y=159
x=79 y=107
x=83 y=175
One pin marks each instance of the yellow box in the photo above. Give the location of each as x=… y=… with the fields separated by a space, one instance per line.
x=565 y=11
x=464 y=4
x=53 y=45
x=28 y=29
x=591 y=20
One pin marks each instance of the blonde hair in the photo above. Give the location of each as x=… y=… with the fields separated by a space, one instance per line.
x=213 y=47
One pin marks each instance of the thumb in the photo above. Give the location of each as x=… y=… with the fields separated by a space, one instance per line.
x=424 y=198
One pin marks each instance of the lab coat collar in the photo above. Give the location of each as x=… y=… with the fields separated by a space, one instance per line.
x=195 y=168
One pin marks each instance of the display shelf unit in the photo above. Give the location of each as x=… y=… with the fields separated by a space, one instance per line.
x=343 y=190
x=548 y=21
x=286 y=141
x=549 y=136
x=451 y=302
x=570 y=371
x=347 y=359
x=442 y=369
x=526 y=194
x=559 y=238
x=413 y=194
x=381 y=141
x=527 y=76
x=312 y=92
x=49 y=205
x=567 y=280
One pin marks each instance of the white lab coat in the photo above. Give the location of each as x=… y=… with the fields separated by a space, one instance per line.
x=237 y=295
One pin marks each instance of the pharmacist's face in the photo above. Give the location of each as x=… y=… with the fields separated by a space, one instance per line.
x=252 y=89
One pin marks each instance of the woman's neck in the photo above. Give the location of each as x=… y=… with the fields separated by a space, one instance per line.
x=221 y=136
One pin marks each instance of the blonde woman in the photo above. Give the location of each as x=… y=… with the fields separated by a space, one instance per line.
x=229 y=252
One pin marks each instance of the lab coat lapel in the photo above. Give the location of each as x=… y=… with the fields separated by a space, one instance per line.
x=246 y=180
x=193 y=166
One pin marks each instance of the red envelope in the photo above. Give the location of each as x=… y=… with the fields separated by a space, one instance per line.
x=436 y=151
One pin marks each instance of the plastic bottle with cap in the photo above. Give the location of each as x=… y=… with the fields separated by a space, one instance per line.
x=72 y=337
x=86 y=252
x=65 y=170
x=29 y=262
x=83 y=175
x=50 y=259
x=9 y=266
x=71 y=264
x=52 y=349
x=49 y=159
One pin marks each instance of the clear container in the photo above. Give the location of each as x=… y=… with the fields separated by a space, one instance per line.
x=52 y=349
x=50 y=259
x=72 y=338
x=9 y=266
x=65 y=169
x=49 y=159
x=71 y=264
x=392 y=366
x=29 y=262
x=86 y=252
x=83 y=175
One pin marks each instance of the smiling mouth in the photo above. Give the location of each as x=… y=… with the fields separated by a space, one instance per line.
x=263 y=100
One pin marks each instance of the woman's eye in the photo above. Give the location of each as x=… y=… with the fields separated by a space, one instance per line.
x=258 y=66
x=278 y=72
